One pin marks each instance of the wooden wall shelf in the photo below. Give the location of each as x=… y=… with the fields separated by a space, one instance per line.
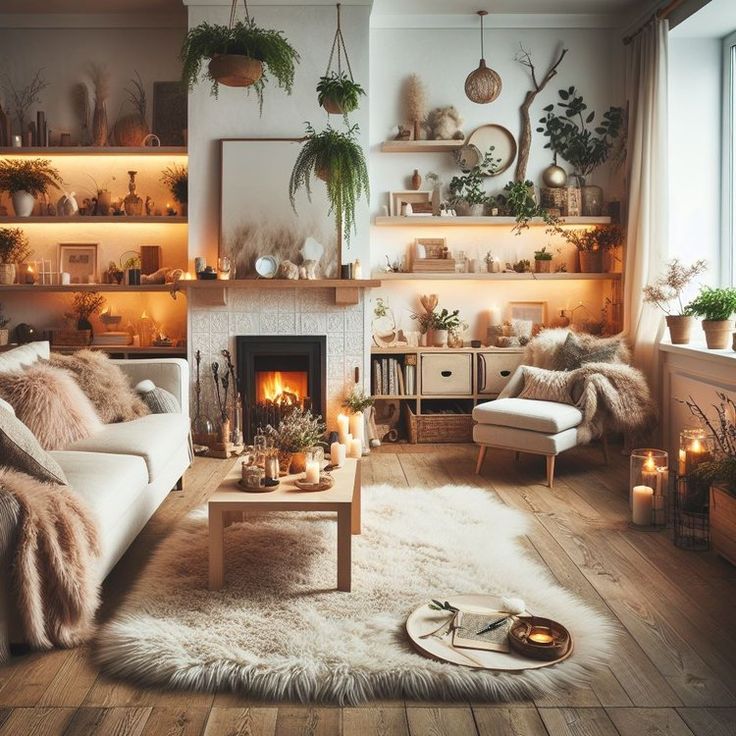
x=435 y=221
x=95 y=151
x=83 y=220
x=439 y=276
x=31 y=288
x=421 y=146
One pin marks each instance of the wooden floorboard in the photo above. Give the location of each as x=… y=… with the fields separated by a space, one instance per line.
x=673 y=672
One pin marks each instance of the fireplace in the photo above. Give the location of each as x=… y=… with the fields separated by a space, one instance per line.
x=277 y=373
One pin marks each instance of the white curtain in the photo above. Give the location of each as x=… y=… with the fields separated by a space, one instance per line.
x=646 y=174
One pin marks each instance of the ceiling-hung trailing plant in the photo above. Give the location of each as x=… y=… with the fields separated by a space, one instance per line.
x=240 y=55
x=483 y=85
x=573 y=135
x=337 y=91
x=337 y=159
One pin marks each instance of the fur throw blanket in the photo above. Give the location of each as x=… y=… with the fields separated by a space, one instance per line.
x=543 y=349
x=55 y=571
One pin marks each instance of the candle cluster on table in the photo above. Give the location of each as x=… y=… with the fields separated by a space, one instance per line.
x=338 y=453
x=350 y=432
x=648 y=476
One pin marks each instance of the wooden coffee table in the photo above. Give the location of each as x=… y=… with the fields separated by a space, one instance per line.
x=229 y=503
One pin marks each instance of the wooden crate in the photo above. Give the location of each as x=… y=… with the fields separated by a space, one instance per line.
x=723 y=522
x=433 y=265
x=429 y=428
x=70 y=338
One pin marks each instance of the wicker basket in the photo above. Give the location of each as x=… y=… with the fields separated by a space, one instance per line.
x=427 y=428
x=70 y=338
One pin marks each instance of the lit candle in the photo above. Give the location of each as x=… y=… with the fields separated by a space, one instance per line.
x=541 y=635
x=695 y=453
x=343 y=427
x=355 y=448
x=682 y=460
x=30 y=276
x=649 y=475
x=186 y=276
x=356 y=424
x=311 y=473
x=641 y=513
x=338 y=453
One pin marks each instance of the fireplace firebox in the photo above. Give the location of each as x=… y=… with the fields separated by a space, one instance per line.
x=278 y=372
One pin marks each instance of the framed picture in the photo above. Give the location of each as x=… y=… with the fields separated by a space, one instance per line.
x=534 y=311
x=421 y=198
x=429 y=248
x=79 y=260
x=169 y=115
x=256 y=216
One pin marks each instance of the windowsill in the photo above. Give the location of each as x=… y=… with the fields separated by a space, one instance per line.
x=700 y=351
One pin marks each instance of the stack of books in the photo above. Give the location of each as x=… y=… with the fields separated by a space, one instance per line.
x=391 y=377
x=110 y=339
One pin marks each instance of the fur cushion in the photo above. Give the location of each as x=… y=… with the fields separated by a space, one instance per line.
x=105 y=385
x=20 y=450
x=545 y=385
x=544 y=351
x=51 y=404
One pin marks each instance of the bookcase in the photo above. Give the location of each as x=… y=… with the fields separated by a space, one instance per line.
x=436 y=389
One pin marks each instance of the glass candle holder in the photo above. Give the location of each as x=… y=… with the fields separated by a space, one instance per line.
x=313 y=464
x=696 y=446
x=648 y=481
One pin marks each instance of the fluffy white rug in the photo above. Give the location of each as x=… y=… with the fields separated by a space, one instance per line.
x=279 y=630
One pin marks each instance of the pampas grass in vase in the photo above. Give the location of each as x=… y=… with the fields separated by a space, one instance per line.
x=101 y=82
x=416 y=104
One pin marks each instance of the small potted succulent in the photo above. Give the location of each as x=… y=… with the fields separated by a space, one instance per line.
x=716 y=307
x=542 y=260
x=14 y=249
x=176 y=179
x=297 y=432
x=666 y=293
x=338 y=93
x=26 y=180
x=4 y=331
x=132 y=268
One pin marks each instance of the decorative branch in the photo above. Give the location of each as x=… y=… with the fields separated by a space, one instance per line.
x=23 y=98
x=525 y=137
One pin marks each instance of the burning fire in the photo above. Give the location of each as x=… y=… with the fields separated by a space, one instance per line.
x=281 y=387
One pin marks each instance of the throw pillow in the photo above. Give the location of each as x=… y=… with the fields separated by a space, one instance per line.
x=20 y=450
x=104 y=384
x=545 y=385
x=158 y=400
x=580 y=349
x=51 y=404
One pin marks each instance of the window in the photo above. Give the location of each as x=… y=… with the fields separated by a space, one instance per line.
x=728 y=261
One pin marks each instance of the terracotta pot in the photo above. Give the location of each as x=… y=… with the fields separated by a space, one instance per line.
x=680 y=327
x=322 y=172
x=333 y=107
x=718 y=333
x=23 y=203
x=298 y=462
x=235 y=70
x=7 y=273
x=591 y=261
x=542 y=266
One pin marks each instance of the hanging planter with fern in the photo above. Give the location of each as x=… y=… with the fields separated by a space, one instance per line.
x=337 y=92
x=240 y=55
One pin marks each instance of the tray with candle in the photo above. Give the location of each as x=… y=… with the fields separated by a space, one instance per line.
x=325 y=482
x=539 y=638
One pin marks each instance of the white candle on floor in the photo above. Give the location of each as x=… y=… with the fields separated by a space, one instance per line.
x=338 y=452
x=311 y=473
x=641 y=514
x=343 y=428
x=356 y=425
x=355 y=448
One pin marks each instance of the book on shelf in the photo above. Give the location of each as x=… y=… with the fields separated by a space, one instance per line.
x=400 y=379
x=384 y=375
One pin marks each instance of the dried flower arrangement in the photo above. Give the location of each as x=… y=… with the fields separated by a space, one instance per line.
x=415 y=101
x=221 y=396
x=297 y=431
x=23 y=98
x=100 y=78
x=84 y=305
x=667 y=290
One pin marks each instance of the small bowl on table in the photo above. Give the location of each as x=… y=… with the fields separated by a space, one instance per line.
x=539 y=638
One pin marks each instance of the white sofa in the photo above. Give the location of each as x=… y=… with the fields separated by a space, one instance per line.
x=123 y=473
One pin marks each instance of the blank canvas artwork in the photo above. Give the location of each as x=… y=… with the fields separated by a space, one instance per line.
x=256 y=216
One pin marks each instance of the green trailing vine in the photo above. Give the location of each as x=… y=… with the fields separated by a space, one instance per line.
x=340 y=89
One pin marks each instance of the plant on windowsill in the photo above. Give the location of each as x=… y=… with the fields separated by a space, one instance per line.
x=542 y=260
x=240 y=55
x=666 y=293
x=26 y=180
x=14 y=249
x=716 y=307
x=297 y=432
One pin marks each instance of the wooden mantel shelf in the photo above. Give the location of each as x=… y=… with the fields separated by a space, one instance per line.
x=347 y=291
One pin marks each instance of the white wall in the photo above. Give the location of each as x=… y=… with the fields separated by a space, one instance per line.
x=695 y=95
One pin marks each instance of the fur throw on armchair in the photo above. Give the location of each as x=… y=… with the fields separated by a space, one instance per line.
x=54 y=572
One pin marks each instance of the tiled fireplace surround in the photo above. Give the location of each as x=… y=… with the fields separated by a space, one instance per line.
x=262 y=311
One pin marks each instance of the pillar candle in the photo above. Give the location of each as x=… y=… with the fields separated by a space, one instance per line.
x=338 y=453
x=494 y=316
x=356 y=425
x=343 y=427
x=355 y=448
x=311 y=473
x=682 y=457
x=642 y=509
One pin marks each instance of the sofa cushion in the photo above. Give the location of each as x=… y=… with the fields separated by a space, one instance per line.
x=20 y=450
x=538 y=416
x=522 y=440
x=580 y=349
x=154 y=438
x=23 y=356
x=109 y=484
x=546 y=385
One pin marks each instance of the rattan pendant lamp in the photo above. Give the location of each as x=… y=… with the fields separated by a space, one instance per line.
x=483 y=85
x=236 y=70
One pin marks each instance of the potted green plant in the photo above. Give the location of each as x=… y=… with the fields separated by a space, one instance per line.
x=520 y=202
x=592 y=244
x=338 y=93
x=585 y=145
x=437 y=325
x=337 y=159
x=542 y=260
x=176 y=178
x=666 y=293
x=14 y=249
x=25 y=180
x=716 y=307
x=4 y=331
x=240 y=55
x=295 y=434
x=467 y=194
x=84 y=305
x=132 y=268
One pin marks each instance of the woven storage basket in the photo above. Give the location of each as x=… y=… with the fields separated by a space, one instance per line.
x=554 y=198
x=427 y=428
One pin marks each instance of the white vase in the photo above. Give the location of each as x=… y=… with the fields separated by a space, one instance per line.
x=23 y=203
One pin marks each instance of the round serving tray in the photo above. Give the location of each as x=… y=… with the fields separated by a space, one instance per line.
x=325 y=483
x=424 y=619
x=256 y=489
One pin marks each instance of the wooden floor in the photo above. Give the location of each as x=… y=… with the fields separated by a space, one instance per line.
x=674 y=672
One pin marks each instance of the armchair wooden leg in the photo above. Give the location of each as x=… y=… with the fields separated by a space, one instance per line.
x=551 y=470
x=481 y=457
